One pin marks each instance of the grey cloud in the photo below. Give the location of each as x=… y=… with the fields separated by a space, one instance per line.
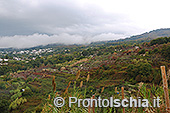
x=24 y=41
x=24 y=23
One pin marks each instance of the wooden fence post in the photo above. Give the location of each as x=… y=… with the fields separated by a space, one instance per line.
x=93 y=104
x=165 y=86
x=123 y=97
x=91 y=108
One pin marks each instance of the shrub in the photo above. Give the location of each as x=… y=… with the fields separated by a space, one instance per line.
x=142 y=51
x=29 y=79
x=156 y=50
x=140 y=71
x=27 y=92
x=4 y=105
x=2 y=85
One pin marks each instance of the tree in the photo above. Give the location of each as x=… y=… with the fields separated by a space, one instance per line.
x=140 y=71
x=166 y=51
x=85 y=53
x=142 y=51
x=160 y=40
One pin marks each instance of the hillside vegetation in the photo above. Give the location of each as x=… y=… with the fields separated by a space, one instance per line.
x=30 y=85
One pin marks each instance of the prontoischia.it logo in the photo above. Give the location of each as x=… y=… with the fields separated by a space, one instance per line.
x=98 y=102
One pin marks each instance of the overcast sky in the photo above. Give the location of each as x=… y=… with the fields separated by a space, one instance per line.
x=27 y=23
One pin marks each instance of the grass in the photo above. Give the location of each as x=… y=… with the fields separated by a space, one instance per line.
x=80 y=90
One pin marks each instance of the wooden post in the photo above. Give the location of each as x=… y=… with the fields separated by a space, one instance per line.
x=116 y=90
x=165 y=86
x=123 y=97
x=89 y=109
x=93 y=108
x=93 y=104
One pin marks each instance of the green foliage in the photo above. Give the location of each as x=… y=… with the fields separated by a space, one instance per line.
x=35 y=79
x=38 y=109
x=16 y=103
x=152 y=93
x=14 y=91
x=27 y=92
x=99 y=53
x=161 y=40
x=3 y=70
x=105 y=68
x=142 y=51
x=85 y=53
x=15 y=84
x=157 y=76
x=15 y=96
x=131 y=70
x=156 y=50
x=166 y=51
x=4 y=104
x=2 y=85
x=29 y=79
x=139 y=71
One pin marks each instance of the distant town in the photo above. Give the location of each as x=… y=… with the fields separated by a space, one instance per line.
x=22 y=55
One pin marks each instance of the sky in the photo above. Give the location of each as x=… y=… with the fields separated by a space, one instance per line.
x=28 y=23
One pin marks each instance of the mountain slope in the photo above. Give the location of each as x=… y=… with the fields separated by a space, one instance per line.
x=145 y=36
x=152 y=34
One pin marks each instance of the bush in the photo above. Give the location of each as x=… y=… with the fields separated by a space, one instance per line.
x=27 y=92
x=166 y=51
x=156 y=50
x=36 y=79
x=142 y=51
x=15 y=96
x=4 y=104
x=140 y=71
x=2 y=85
x=29 y=79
